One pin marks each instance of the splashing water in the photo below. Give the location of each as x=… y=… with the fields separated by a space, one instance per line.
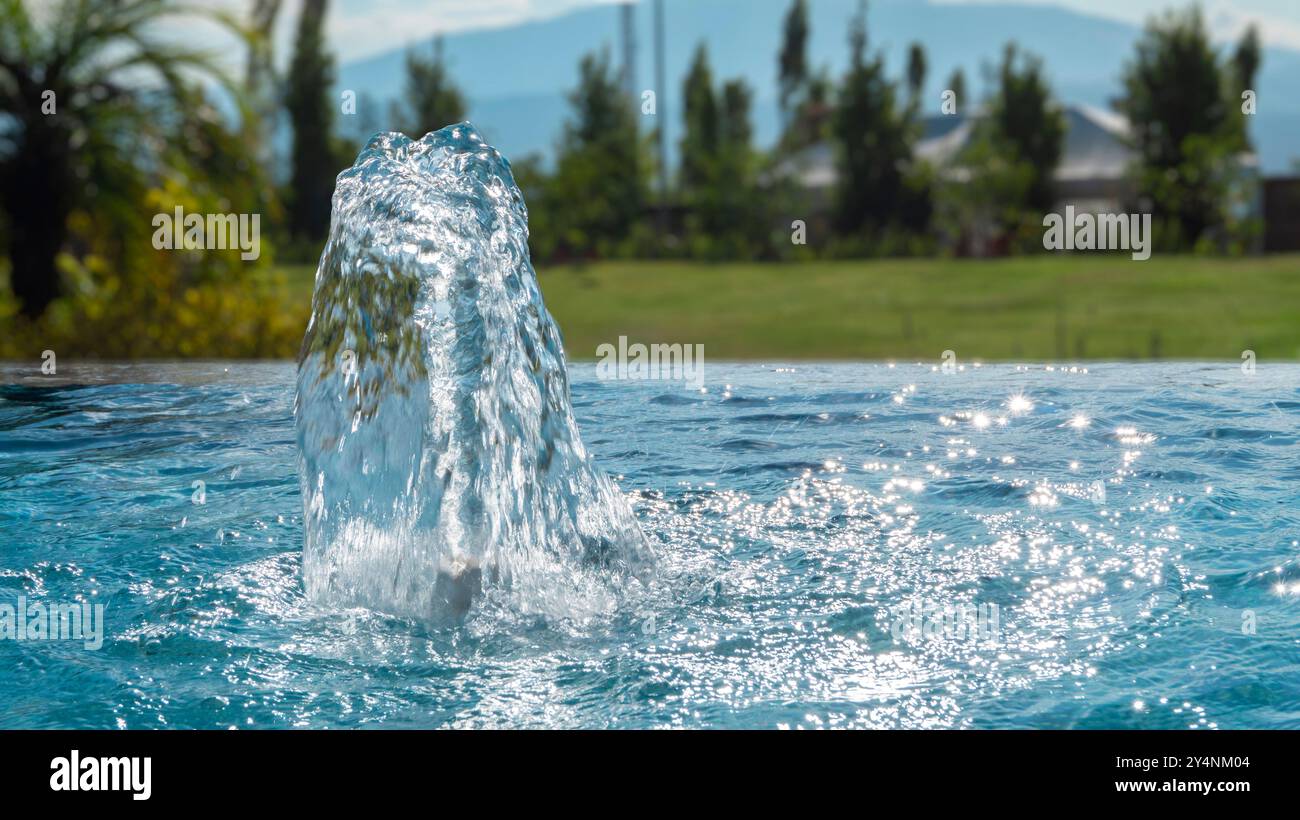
x=796 y=515
x=438 y=453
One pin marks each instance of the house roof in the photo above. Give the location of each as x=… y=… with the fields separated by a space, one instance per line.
x=1095 y=147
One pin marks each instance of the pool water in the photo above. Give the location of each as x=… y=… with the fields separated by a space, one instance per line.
x=840 y=545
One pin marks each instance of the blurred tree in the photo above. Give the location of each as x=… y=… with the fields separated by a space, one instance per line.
x=994 y=200
x=128 y=299
x=1246 y=60
x=915 y=73
x=700 y=138
x=308 y=97
x=736 y=131
x=83 y=100
x=743 y=217
x=792 y=75
x=810 y=122
x=980 y=209
x=432 y=100
x=1026 y=124
x=1184 y=125
x=1245 y=65
x=957 y=85
x=804 y=94
x=719 y=166
x=728 y=215
x=594 y=201
x=872 y=137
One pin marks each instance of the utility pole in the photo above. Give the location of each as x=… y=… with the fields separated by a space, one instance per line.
x=628 y=10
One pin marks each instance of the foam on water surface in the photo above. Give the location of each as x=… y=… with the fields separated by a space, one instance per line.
x=438 y=452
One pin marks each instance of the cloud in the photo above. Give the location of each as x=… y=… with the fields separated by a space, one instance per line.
x=1278 y=20
x=358 y=28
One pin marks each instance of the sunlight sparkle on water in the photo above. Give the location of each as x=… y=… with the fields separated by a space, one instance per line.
x=1019 y=404
x=790 y=521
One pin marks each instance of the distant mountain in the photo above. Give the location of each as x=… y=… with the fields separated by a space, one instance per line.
x=517 y=78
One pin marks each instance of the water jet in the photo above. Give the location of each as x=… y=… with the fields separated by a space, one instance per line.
x=438 y=453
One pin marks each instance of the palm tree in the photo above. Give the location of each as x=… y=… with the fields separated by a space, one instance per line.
x=85 y=104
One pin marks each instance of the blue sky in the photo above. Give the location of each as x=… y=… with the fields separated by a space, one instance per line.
x=359 y=28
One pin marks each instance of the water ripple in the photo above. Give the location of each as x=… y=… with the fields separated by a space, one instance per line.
x=1136 y=527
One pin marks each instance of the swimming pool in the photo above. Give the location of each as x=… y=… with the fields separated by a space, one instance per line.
x=865 y=545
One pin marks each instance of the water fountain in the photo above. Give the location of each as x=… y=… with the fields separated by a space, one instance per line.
x=438 y=453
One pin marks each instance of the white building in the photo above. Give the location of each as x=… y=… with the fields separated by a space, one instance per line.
x=1093 y=173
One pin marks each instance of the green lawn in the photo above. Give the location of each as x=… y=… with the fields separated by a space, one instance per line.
x=1035 y=308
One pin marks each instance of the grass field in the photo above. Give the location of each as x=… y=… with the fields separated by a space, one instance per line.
x=1030 y=308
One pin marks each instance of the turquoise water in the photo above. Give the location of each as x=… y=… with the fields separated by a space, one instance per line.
x=797 y=513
